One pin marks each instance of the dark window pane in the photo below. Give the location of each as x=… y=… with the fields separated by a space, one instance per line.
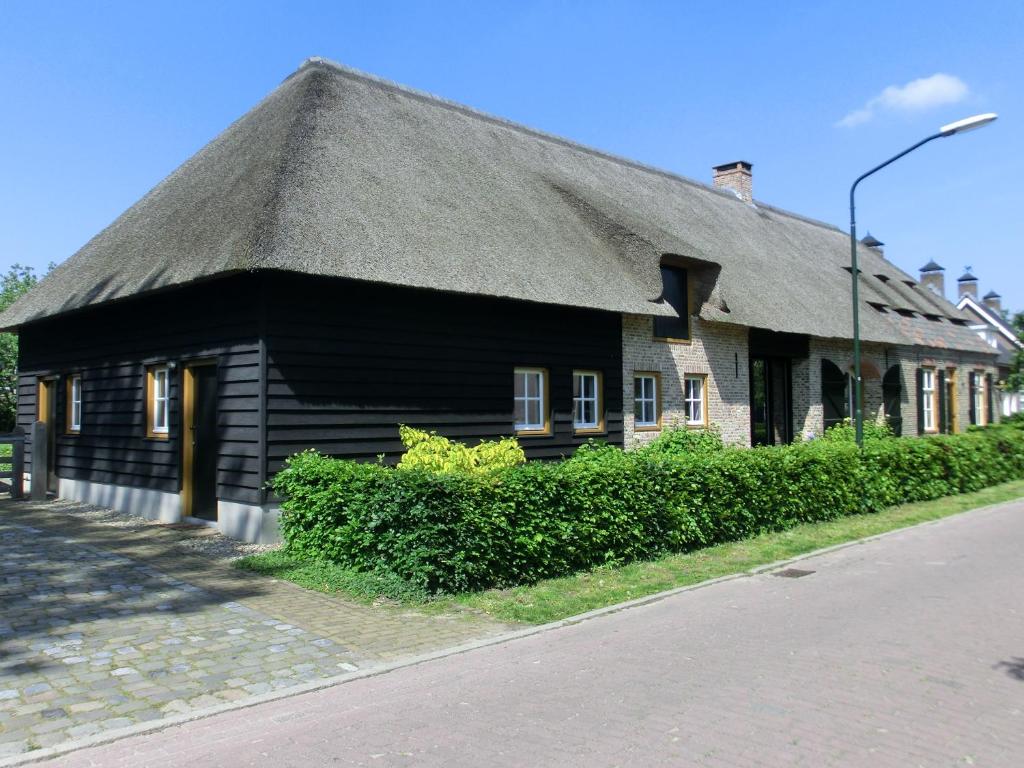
x=673 y=282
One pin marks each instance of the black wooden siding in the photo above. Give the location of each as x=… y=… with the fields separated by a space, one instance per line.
x=347 y=362
x=344 y=362
x=110 y=347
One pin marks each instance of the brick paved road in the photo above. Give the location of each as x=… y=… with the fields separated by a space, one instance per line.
x=102 y=628
x=906 y=651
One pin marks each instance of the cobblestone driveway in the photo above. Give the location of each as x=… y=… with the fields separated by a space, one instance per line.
x=93 y=639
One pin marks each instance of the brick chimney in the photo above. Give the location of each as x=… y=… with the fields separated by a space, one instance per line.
x=994 y=302
x=737 y=177
x=968 y=284
x=933 y=277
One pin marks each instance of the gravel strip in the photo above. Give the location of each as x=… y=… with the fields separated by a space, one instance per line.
x=198 y=540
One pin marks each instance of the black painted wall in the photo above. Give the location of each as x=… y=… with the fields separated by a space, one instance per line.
x=348 y=362
x=110 y=346
x=307 y=362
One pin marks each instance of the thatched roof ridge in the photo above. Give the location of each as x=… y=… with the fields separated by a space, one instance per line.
x=338 y=173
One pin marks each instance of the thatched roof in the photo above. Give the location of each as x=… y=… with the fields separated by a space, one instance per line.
x=337 y=173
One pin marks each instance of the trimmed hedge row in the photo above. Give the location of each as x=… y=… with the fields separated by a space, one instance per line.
x=458 y=532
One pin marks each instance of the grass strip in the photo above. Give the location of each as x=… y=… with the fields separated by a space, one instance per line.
x=554 y=599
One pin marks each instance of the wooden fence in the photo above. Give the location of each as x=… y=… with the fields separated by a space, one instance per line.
x=12 y=468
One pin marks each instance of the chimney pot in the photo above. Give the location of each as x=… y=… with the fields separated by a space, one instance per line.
x=968 y=284
x=994 y=302
x=736 y=176
x=933 y=277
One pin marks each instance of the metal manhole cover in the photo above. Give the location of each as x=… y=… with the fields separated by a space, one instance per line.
x=792 y=573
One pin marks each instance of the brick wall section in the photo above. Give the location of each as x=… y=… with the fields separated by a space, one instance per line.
x=808 y=414
x=722 y=353
x=717 y=350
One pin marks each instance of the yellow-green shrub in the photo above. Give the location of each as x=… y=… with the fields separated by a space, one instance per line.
x=434 y=453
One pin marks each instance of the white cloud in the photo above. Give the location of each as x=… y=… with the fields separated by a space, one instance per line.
x=915 y=96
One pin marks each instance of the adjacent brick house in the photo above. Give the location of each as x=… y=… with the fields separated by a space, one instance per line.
x=352 y=254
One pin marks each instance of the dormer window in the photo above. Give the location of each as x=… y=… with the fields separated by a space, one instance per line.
x=674 y=292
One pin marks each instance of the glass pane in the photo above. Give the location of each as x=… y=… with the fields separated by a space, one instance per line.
x=520 y=388
x=589 y=412
x=519 y=414
x=639 y=410
x=649 y=415
x=577 y=386
x=533 y=384
x=533 y=413
x=589 y=385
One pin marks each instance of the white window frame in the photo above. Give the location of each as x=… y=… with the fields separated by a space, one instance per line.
x=645 y=395
x=540 y=376
x=700 y=400
x=580 y=400
x=75 y=403
x=160 y=401
x=928 y=400
x=979 y=398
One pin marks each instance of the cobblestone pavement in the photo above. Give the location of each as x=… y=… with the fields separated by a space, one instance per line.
x=904 y=651
x=101 y=628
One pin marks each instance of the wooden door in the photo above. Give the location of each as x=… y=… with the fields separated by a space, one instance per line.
x=46 y=400
x=200 y=444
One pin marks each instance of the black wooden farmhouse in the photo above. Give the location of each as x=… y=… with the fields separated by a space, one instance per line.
x=351 y=255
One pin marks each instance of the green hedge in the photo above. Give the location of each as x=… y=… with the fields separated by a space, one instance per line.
x=458 y=532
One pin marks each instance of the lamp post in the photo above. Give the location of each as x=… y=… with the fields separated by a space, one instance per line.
x=960 y=126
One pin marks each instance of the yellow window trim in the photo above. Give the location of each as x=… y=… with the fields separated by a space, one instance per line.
x=546 y=404
x=656 y=427
x=672 y=340
x=951 y=395
x=150 y=382
x=703 y=396
x=601 y=427
x=982 y=413
x=68 y=409
x=934 y=398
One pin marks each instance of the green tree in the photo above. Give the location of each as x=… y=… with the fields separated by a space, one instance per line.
x=1015 y=381
x=13 y=285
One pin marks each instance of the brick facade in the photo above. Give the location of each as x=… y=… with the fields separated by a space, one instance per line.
x=721 y=352
x=716 y=350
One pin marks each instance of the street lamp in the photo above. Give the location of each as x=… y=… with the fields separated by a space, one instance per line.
x=960 y=126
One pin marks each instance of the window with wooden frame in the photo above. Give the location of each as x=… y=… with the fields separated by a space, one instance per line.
x=978 y=396
x=587 y=401
x=646 y=401
x=158 y=401
x=695 y=402
x=952 y=422
x=929 y=400
x=675 y=292
x=74 y=404
x=532 y=414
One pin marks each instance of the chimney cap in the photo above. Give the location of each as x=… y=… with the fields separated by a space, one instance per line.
x=991 y=295
x=735 y=164
x=871 y=241
x=931 y=266
x=967 y=277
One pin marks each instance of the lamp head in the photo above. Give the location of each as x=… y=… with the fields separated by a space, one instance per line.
x=968 y=124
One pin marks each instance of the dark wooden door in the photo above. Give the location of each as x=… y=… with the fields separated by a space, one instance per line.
x=892 y=397
x=761 y=418
x=47 y=403
x=203 y=430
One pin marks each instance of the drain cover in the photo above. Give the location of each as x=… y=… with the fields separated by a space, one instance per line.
x=792 y=573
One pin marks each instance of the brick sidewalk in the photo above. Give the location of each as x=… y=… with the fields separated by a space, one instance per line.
x=104 y=627
x=903 y=652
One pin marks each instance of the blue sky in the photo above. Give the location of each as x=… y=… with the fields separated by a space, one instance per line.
x=102 y=100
